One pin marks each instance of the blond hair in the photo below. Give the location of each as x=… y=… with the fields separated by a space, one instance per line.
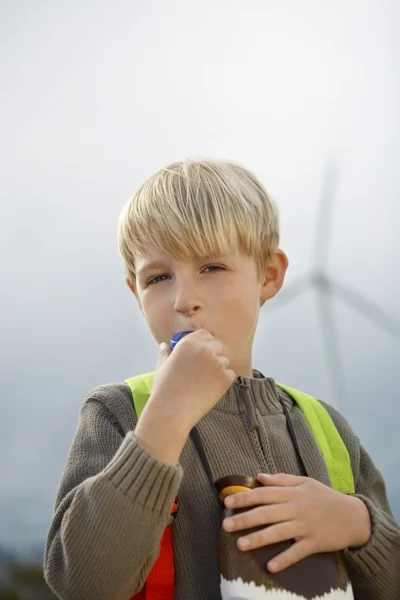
x=199 y=208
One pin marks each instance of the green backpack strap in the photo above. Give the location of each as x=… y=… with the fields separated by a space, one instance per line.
x=141 y=389
x=328 y=439
x=330 y=443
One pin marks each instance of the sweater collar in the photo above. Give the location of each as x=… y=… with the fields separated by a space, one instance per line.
x=261 y=391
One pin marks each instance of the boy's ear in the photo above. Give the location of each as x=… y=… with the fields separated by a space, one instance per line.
x=274 y=275
x=132 y=287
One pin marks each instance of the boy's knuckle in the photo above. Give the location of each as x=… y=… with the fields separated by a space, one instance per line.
x=276 y=535
x=231 y=375
x=312 y=544
x=303 y=550
x=258 y=497
x=202 y=351
x=188 y=341
x=209 y=351
x=303 y=527
x=224 y=361
x=309 y=484
x=242 y=521
x=257 y=538
x=300 y=492
x=265 y=513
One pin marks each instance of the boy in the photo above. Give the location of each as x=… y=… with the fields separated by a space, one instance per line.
x=200 y=244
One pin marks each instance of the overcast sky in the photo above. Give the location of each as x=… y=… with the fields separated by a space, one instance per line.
x=95 y=97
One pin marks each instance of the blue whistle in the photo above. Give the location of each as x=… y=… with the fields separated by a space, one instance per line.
x=178 y=336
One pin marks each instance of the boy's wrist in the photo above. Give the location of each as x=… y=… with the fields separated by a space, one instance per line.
x=162 y=432
x=362 y=523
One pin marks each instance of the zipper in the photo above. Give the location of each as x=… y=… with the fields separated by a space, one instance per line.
x=246 y=396
x=253 y=423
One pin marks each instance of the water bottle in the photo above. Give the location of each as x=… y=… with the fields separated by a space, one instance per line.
x=244 y=575
x=178 y=336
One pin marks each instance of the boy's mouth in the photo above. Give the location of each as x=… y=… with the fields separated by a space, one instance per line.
x=194 y=328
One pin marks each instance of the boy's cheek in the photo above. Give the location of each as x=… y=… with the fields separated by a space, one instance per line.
x=160 y=328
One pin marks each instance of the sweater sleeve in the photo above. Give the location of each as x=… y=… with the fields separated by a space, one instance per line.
x=112 y=506
x=374 y=568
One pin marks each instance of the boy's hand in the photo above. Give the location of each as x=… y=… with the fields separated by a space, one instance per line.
x=317 y=517
x=188 y=382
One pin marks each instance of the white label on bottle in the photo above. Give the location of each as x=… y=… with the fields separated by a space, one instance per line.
x=240 y=590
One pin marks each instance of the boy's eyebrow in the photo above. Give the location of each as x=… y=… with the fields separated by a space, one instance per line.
x=151 y=264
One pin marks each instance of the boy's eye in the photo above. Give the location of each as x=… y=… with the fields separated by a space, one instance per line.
x=157 y=279
x=214 y=268
x=164 y=277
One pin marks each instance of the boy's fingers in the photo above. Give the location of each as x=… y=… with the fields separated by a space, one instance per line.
x=281 y=479
x=258 y=496
x=272 y=534
x=261 y=515
x=294 y=554
x=165 y=351
x=225 y=361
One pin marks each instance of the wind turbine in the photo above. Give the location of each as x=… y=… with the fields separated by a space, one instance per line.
x=327 y=288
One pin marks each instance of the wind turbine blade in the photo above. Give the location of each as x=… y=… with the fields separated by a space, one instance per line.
x=365 y=307
x=289 y=293
x=331 y=347
x=324 y=222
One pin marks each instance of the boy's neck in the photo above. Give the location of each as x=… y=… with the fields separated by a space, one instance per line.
x=242 y=368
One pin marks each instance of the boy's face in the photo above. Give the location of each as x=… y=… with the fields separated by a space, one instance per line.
x=221 y=294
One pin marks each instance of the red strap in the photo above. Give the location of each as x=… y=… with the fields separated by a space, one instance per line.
x=160 y=581
x=140 y=595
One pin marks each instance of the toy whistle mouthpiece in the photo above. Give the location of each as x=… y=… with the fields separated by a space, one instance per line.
x=178 y=336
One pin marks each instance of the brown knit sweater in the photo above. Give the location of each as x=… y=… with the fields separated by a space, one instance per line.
x=114 y=498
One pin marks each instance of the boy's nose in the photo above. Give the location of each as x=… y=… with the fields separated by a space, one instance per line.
x=187 y=305
x=189 y=308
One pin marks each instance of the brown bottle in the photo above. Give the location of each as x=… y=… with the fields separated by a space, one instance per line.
x=244 y=575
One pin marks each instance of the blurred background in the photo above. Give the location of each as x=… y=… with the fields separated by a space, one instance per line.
x=97 y=96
